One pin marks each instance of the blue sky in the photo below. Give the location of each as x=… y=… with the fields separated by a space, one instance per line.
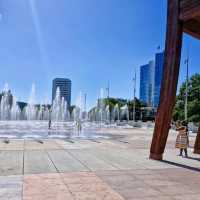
x=88 y=41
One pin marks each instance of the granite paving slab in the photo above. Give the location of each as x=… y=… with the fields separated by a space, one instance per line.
x=37 y=162
x=64 y=162
x=91 y=160
x=11 y=162
x=11 y=187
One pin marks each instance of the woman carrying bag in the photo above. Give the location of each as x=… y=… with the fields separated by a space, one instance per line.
x=182 y=139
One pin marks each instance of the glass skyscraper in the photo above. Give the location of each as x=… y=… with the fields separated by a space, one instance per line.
x=147 y=83
x=64 y=85
x=159 y=62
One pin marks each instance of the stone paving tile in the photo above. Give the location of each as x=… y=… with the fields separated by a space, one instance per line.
x=91 y=160
x=89 y=186
x=188 y=197
x=139 y=192
x=17 y=145
x=117 y=159
x=77 y=144
x=50 y=196
x=65 y=162
x=37 y=162
x=112 y=172
x=136 y=184
x=151 y=198
x=11 y=162
x=122 y=171
x=59 y=187
x=48 y=186
x=177 y=189
x=37 y=145
x=150 y=177
x=11 y=188
x=129 y=186
x=98 y=195
x=33 y=145
x=163 y=182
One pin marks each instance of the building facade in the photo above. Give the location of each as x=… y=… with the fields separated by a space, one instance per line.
x=147 y=83
x=64 y=85
x=159 y=63
x=150 y=81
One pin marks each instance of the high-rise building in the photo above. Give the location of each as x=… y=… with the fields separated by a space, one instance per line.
x=159 y=63
x=64 y=85
x=147 y=83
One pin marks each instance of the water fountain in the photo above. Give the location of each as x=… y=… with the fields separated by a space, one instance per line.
x=31 y=109
x=59 y=108
x=31 y=120
x=125 y=112
x=5 y=106
x=15 y=110
x=116 y=113
x=107 y=113
x=10 y=110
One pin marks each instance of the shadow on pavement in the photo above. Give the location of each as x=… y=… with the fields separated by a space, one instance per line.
x=182 y=165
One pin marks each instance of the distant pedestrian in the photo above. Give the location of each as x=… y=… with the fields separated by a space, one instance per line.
x=49 y=123
x=49 y=119
x=79 y=126
x=182 y=140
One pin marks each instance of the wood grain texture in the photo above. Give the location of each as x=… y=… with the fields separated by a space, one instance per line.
x=190 y=15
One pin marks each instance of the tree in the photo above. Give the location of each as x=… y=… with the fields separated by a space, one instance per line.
x=193 y=100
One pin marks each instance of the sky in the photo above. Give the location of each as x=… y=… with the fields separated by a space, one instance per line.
x=89 y=41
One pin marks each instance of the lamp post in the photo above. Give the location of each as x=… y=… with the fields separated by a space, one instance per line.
x=85 y=106
x=108 y=90
x=134 y=92
x=186 y=87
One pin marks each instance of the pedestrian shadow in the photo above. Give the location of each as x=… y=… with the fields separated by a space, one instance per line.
x=182 y=165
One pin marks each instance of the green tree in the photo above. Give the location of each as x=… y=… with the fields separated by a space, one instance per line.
x=193 y=100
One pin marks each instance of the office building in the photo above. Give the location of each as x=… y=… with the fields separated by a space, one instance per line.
x=64 y=85
x=159 y=63
x=147 y=83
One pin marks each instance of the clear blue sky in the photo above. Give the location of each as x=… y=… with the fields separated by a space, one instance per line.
x=88 y=41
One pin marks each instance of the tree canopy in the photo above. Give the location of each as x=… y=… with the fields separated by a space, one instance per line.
x=193 y=100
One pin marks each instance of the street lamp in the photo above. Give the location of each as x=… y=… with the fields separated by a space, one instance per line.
x=186 y=87
x=134 y=92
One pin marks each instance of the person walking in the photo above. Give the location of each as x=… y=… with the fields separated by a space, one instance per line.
x=49 y=124
x=79 y=126
x=182 y=140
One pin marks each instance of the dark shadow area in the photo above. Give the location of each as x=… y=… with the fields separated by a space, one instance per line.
x=192 y=158
x=181 y=165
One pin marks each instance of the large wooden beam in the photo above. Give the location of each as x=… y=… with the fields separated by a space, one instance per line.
x=170 y=79
x=189 y=9
x=197 y=142
x=192 y=27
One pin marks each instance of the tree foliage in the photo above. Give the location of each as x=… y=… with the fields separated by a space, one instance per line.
x=193 y=100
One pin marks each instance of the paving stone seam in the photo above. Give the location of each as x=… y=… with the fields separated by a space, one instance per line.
x=67 y=186
x=101 y=159
x=23 y=159
x=115 y=166
x=72 y=155
x=137 y=179
x=107 y=162
x=57 y=170
x=110 y=163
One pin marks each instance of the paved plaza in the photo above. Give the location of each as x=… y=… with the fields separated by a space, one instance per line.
x=97 y=169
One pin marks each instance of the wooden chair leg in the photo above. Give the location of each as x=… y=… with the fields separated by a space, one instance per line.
x=170 y=79
x=197 y=142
